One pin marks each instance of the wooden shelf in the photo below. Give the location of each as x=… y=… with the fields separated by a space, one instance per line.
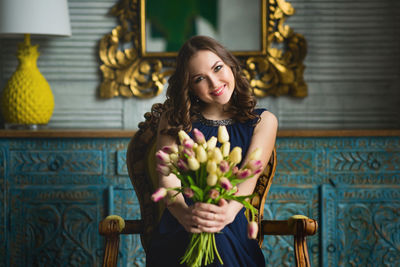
x=115 y=133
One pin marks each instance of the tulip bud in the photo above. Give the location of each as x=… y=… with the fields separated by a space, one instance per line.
x=188 y=192
x=217 y=155
x=225 y=183
x=194 y=165
x=254 y=164
x=159 y=194
x=173 y=158
x=212 y=179
x=211 y=166
x=252 y=230
x=224 y=166
x=198 y=136
x=225 y=149
x=163 y=169
x=235 y=170
x=243 y=174
x=236 y=155
x=256 y=154
x=201 y=154
x=182 y=165
x=188 y=152
x=211 y=143
x=162 y=157
x=213 y=193
x=223 y=135
x=188 y=143
x=182 y=136
x=170 y=149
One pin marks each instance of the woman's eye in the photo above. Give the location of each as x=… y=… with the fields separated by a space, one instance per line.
x=199 y=79
x=217 y=68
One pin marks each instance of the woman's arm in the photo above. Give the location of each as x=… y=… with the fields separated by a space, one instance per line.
x=212 y=218
x=178 y=208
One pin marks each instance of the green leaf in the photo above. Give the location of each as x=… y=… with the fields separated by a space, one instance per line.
x=198 y=192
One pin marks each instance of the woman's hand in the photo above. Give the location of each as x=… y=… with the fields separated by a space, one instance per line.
x=211 y=218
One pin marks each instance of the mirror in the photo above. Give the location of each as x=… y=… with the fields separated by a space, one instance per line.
x=135 y=65
x=233 y=23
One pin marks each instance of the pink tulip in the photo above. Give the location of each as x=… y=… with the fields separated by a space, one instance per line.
x=252 y=230
x=213 y=193
x=225 y=183
x=159 y=194
x=188 y=143
x=254 y=164
x=224 y=166
x=243 y=174
x=188 y=192
x=198 y=136
x=189 y=152
x=235 y=170
x=170 y=149
x=162 y=157
x=163 y=169
x=182 y=165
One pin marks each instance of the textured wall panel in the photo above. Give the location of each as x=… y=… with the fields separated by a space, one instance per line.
x=55 y=226
x=352 y=68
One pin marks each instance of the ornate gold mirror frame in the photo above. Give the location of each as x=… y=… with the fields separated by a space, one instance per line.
x=277 y=69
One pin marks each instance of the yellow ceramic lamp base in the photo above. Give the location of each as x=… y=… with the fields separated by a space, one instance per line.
x=27 y=98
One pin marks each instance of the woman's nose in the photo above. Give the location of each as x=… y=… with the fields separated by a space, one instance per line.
x=213 y=81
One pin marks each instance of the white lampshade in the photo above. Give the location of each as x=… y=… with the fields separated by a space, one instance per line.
x=42 y=17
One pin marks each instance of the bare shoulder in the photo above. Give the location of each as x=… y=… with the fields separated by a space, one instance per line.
x=268 y=122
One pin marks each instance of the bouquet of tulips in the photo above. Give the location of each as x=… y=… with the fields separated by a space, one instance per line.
x=208 y=174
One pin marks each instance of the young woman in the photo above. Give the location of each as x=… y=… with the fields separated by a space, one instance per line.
x=208 y=90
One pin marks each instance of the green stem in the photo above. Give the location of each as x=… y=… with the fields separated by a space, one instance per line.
x=216 y=250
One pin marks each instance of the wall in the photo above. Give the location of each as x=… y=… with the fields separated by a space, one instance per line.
x=352 y=68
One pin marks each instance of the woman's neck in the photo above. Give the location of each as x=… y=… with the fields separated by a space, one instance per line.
x=215 y=113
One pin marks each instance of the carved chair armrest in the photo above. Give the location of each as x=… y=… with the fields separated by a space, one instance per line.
x=299 y=226
x=111 y=227
x=293 y=226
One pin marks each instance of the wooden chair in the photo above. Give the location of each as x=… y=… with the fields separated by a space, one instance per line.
x=141 y=168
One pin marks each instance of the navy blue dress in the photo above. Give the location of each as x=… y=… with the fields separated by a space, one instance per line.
x=170 y=239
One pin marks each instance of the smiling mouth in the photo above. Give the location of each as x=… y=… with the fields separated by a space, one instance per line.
x=218 y=91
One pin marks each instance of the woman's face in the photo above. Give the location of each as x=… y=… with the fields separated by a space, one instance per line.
x=211 y=79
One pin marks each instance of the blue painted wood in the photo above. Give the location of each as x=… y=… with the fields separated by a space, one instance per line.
x=54 y=192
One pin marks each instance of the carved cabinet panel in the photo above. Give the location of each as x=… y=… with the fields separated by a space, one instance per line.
x=282 y=203
x=54 y=226
x=361 y=226
x=54 y=192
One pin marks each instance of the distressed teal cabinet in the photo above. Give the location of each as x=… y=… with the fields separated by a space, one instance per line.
x=55 y=188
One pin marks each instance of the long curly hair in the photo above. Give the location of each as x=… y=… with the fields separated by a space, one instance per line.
x=182 y=106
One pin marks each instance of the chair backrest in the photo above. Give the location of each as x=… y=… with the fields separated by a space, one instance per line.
x=141 y=165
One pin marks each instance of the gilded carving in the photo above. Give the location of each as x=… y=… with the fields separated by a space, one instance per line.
x=275 y=70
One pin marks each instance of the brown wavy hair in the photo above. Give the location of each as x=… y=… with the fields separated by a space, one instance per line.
x=181 y=106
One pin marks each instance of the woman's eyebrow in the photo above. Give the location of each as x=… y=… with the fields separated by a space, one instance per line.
x=212 y=67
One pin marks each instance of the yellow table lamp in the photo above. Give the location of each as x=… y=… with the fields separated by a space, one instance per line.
x=27 y=100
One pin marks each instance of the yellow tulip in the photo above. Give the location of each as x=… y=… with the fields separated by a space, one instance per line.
x=212 y=179
x=225 y=149
x=256 y=154
x=193 y=164
x=211 y=166
x=182 y=136
x=236 y=155
x=217 y=155
x=201 y=154
x=223 y=135
x=211 y=143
